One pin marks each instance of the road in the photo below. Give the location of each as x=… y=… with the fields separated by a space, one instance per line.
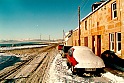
x=45 y=65
x=32 y=67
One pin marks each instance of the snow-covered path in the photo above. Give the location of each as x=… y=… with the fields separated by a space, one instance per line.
x=59 y=73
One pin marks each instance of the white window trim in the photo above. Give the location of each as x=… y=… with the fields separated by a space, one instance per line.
x=114 y=10
x=111 y=41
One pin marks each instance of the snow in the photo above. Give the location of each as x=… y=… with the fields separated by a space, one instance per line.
x=59 y=73
x=114 y=78
x=86 y=58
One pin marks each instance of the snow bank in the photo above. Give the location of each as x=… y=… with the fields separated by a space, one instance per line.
x=114 y=78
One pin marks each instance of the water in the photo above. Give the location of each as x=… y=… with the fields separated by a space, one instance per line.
x=7 y=60
x=13 y=44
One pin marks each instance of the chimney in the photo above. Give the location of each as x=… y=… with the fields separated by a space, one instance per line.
x=96 y=4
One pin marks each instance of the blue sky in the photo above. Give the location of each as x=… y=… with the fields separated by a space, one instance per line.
x=28 y=19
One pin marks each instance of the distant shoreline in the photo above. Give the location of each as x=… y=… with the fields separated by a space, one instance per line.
x=15 y=44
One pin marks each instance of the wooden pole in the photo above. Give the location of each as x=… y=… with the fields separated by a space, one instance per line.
x=79 y=24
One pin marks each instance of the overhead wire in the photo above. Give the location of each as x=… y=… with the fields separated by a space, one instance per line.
x=82 y=5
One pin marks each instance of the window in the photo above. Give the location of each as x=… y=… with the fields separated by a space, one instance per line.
x=111 y=41
x=70 y=52
x=85 y=25
x=114 y=10
x=97 y=24
x=90 y=23
x=118 y=42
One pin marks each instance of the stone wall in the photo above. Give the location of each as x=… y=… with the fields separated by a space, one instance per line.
x=101 y=23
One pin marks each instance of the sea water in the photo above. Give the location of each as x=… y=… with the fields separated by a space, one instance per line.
x=7 y=60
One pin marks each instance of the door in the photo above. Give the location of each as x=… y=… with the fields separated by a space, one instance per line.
x=93 y=44
x=98 y=45
x=86 y=41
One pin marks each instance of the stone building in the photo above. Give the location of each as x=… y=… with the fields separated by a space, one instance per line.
x=103 y=28
x=68 y=38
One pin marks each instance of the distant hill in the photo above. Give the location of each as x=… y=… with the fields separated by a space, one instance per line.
x=8 y=41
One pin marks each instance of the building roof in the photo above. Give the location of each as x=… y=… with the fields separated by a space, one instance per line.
x=93 y=12
x=95 y=9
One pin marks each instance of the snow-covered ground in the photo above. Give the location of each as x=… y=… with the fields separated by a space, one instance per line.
x=114 y=78
x=59 y=73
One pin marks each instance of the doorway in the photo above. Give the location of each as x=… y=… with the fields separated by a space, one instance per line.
x=93 y=44
x=86 y=41
x=98 y=45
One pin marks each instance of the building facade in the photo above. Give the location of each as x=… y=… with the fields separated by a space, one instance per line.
x=68 y=38
x=103 y=28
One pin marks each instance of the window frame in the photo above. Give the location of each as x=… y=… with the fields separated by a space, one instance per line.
x=117 y=42
x=114 y=10
x=111 y=40
x=85 y=24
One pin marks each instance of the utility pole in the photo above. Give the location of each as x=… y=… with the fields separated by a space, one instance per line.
x=79 y=24
x=63 y=34
x=49 y=38
x=40 y=36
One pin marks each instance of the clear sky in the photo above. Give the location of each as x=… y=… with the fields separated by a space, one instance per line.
x=28 y=19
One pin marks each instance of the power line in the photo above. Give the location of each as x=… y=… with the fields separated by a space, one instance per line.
x=83 y=6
